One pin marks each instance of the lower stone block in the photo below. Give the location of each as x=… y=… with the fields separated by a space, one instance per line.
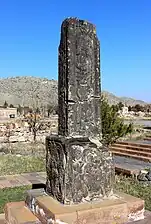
x=135 y=206
x=78 y=169
x=18 y=213
x=121 y=209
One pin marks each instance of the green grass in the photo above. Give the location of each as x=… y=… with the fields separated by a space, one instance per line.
x=12 y=164
x=12 y=195
x=133 y=187
x=124 y=184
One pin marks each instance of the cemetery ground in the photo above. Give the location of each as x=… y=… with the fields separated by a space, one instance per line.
x=22 y=158
x=16 y=164
x=18 y=158
x=32 y=159
x=124 y=184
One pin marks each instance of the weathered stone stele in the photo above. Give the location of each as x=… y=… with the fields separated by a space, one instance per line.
x=79 y=168
x=79 y=80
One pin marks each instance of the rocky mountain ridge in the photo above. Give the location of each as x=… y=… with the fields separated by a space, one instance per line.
x=26 y=91
x=112 y=99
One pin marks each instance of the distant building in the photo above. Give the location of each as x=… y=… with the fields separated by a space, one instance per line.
x=125 y=110
x=141 y=114
x=6 y=113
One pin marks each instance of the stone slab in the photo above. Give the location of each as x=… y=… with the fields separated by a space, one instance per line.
x=130 y=163
x=135 y=206
x=25 y=179
x=125 y=170
x=120 y=209
x=2 y=219
x=18 y=213
x=6 y=184
x=146 y=220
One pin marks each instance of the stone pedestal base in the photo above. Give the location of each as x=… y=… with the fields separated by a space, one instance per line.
x=78 y=170
x=121 y=209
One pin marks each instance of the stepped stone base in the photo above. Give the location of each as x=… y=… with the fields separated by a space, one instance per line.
x=17 y=212
x=2 y=219
x=41 y=208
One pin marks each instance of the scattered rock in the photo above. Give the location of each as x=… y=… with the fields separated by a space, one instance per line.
x=13 y=139
x=148 y=175
x=21 y=139
x=3 y=139
x=142 y=175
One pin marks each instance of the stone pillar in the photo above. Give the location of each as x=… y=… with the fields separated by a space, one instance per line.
x=78 y=167
x=79 y=80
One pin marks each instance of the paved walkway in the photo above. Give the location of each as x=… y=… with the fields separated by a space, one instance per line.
x=25 y=179
x=129 y=165
x=124 y=164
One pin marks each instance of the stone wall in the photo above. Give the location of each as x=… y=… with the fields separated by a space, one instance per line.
x=19 y=131
x=6 y=112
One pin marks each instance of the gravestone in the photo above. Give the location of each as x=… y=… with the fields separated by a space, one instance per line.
x=79 y=80
x=79 y=168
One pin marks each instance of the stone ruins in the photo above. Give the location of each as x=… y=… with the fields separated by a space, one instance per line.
x=79 y=168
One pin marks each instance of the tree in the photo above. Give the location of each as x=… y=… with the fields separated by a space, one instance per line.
x=115 y=107
x=138 y=108
x=11 y=106
x=37 y=110
x=50 y=109
x=8 y=134
x=56 y=109
x=5 y=104
x=19 y=109
x=120 y=105
x=34 y=123
x=34 y=117
x=113 y=126
x=129 y=108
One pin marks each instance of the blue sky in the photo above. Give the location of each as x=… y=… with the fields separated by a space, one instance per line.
x=30 y=34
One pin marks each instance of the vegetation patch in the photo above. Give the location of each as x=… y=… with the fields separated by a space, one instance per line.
x=113 y=127
x=12 y=195
x=124 y=184
x=133 y=187
x=16 y=164
x=24 y=148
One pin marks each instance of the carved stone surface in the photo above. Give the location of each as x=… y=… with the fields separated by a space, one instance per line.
x=78 y=170
x=79 y=80
x=78 y=167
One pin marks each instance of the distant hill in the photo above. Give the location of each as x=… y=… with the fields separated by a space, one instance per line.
x=22 y=90
x=112 y=99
